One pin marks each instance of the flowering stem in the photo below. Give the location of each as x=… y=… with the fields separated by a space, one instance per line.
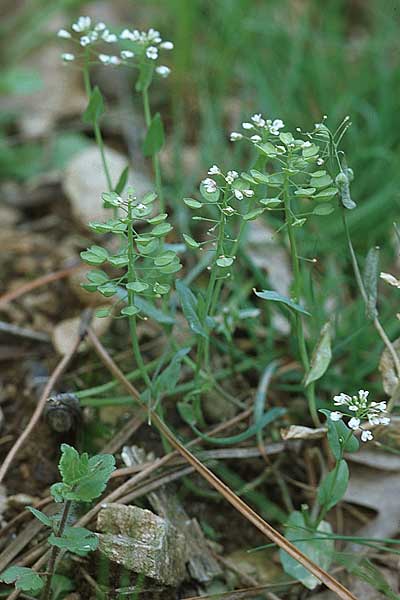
x=55 y=551
x=297 y=289
x=131 y=302
x=376 y=321
x=96 y=128
x=155 y=157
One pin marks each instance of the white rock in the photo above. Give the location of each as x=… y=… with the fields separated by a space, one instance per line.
x=84 y=182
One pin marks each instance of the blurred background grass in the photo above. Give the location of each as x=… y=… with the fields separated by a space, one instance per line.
x=292 y=59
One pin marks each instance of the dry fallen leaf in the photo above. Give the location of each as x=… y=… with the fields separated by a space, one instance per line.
x=387 y=369
x=298 y=432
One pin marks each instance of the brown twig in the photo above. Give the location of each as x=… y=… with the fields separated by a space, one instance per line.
x=223 y=489
x=62 y=365
x=32 y=285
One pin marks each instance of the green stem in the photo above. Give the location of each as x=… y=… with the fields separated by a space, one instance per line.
x=96 y=128
x=297 y=292
x=377 y=324
x=131 y=302
x=46 y=595
x=155 y=157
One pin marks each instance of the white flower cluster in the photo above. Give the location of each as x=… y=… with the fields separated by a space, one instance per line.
x=211 y=185
x=93 y=33
x=152 y=42
x=259 y=125
x=374 y=412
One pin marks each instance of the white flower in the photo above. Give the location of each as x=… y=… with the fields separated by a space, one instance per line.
x=231 y=176
x=108 y=37
x=390 y=279
x=68 y=57
x=228 y=211
x=306 y=144
x=167 y=45
x=248 y=193
x=247 y=125
x=354 y=423
x=384 y=420
x=336 y=415
x=274 y=130
x=100 y=26
x=379 y=406
x=353 y=407
x=214 y=170
x=238 y=194
x=258 y=120
x=105 y=59
x=366 y=436
x=320 y=161
x=235 y=136
x=141 y=206
x=127 y=54
x=82 y=24
x=363 y=395
x=154 y=35
x=278 y=124
x=373 y=419
x=341 y=399
x=163 y=70
x=63 y=33
x=115 y=60
x=210 y=185
x=256 y=138
x=126 y=35
x=85 y=40
x=152 y=52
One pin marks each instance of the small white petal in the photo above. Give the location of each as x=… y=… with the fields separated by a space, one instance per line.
x=100 y=26
x=354 y=423
x=235 y=136
x=163 y=71
x=256 y=138
x=167 y=45
x=366 y=436
x=85 y=40
x=246 y=125
x=214 y=170
x=152 y=52
x=336 y=415
x=127 y=54
x=238 y=194
x=68 y=57
x=248 y=193
x=63 y=33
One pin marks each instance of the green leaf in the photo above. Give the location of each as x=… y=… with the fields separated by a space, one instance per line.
x=326 y=194
x=149 y=198
x=338 y=432
x=158 y=219
x=77 y=540
x=25 y=579
x=95 y=108
x=259 y=177
x=111 y=199
x=265 y=419
x=321 y=356
x=270 y=202
x=60 y=585
x=319 y=550
x=166 y=382
x=41 y=516
x=268 y=149
x=333 y=487
x=275 y=297
x=209 y=196
x=153 y=312
x=155 y=138
x=190 y=241
x=137 y=286
x=310 y=151
x=320 y=181
x=371 y=281
x=101 y=313
x=323 y=209
x=161 y=229
x=161 y=288
x=253 y=214
x=108 y=289
x=187 y=413
x=122 y=181
x=224 y=261
x=192 y=203
x=83 y=478
x=95 y=255
x=189 y=307
x=305 y=192
x=130 y=311
x=165 y=259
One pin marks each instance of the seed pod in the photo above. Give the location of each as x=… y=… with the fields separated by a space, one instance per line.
x=62 y=412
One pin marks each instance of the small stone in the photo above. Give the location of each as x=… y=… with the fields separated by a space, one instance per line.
x=142 y=542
